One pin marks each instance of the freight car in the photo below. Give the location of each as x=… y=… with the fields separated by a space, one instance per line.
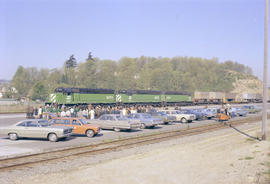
x=208 y=97
x=72 y=96
x=221 y=97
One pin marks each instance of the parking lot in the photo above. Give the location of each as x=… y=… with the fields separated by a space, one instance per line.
x=29 y=145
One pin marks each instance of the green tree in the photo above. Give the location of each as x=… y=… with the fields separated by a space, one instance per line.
x=39 y=91
x=69 y=68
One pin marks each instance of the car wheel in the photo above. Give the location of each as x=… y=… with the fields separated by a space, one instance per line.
x=52 y=137
x=116 y=129
x=143 y=126
x=13 y=136
x=90 y=133
x=184 y=120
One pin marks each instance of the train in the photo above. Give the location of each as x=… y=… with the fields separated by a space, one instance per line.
x=84 y=96
x=222 y=97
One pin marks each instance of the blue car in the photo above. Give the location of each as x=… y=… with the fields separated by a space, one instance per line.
x=162 y=115
x=210 y=112
x=238 y=112
x=147 y=121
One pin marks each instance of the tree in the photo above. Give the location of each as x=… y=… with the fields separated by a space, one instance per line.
x=71 y=62
x=69 y=68
x=39 y=91
x=86 y=73
x=24 y=79
x=106 y=74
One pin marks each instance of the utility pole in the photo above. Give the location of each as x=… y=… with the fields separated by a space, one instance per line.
x=265 y=88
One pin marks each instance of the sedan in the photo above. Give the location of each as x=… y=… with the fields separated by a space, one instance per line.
x=146 y=120
x=199 y=115
x=115 y=122
x=251 y=109
x=238 y=112
x=180 y=117
x=36 y=128
x=166 y=118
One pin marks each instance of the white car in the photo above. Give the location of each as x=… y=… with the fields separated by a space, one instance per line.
x=36 y=128
x=183 y=118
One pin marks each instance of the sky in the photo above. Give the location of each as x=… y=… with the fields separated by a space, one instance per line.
x=44 y=33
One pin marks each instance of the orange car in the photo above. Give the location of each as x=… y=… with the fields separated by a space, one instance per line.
x=80 y=126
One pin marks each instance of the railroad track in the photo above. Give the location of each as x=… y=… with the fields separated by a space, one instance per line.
x=116 y=145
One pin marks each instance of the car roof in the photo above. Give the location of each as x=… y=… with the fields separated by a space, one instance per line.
x=69 y=118
x=29 y=120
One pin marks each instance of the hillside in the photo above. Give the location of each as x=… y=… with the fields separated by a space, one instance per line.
x=247 y=84
x=185 y=74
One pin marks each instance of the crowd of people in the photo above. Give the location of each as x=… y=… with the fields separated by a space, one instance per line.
x=89 y=112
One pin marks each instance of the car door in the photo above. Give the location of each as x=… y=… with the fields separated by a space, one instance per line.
x=111 y=123
x=19 y=129
x=77 y=128
x=102 y=122
x=119 y=123
x=32 y=129
x=43 y=128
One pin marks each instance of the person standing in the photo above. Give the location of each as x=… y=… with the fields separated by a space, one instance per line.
x=63 y=113
x=72 y=112
x=40 y=112
x=92 y=113
x=124 y=111
x=68 y=113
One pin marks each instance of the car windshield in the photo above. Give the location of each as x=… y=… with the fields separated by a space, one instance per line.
x=83 y=121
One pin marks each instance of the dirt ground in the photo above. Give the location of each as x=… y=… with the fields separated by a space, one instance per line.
x=223 y=157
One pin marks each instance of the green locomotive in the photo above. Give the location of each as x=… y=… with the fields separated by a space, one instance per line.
x=74 y=96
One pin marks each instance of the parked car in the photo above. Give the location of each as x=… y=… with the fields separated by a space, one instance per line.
x=209 y=112
x=36 y=128
x=235 y=111
x=115 y=122
x=162 y=115
x=146 y=120
x=199 y=115
x=181 y=117
x=251 y=109
x=80 y=126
